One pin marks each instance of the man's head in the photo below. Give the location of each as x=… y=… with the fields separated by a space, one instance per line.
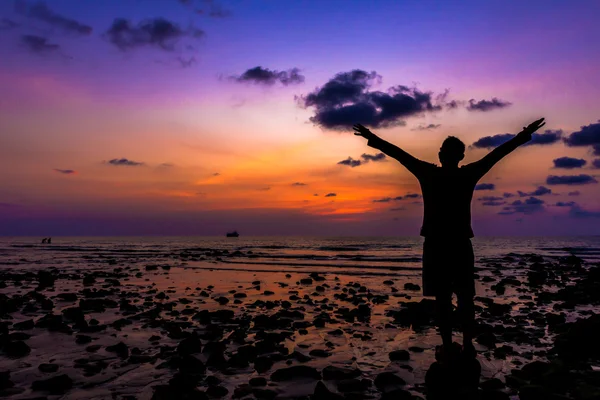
x=452 y=151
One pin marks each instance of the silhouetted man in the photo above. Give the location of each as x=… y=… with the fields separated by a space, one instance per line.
x=448 y=260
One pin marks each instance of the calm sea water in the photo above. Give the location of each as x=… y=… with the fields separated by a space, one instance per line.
x=364 y=255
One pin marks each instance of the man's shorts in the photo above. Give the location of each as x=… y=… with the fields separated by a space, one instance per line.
x=448 y=267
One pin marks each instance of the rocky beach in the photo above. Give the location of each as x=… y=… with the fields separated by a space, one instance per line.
x=243 y=322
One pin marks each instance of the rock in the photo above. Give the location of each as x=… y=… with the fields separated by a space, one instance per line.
x=319 y=353
x=217 y=391
x=83 y=339
x=399 y=355
x=331 y=372
x=17 y=349
x=397 y=394
x=189 y=345
x=492 y=384
x=386 y=380
x=262 y=364
x=55 y=385
x=258 y=381
x=191 y=364
x=306 y=281
x=487 y=339
x=24 y=325
x=120 y=348
x=353 y=385
x=322 y=392
x=67 y=296
x=297 y=371
x=48 y=368
x=5 y=381
x=411 y=286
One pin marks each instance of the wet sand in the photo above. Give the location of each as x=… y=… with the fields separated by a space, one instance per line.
x=213 y=325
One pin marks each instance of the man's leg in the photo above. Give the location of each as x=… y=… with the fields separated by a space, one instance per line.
x=443 y=304
x=466 y=310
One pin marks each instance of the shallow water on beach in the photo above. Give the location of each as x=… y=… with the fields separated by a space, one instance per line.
x=266 y=270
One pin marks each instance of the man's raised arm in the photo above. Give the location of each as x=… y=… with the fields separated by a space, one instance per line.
x=487 y=162
x=411 y=163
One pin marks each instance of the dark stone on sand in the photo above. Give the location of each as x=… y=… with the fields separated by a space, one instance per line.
x=45 y=279
x=258 y=381
x=189 y=345
x=120 y=348
x=240 y=295
x=264 y=394
x=151 y=267
x=353 y=385
x=48 y=368
x=297 y=371
x=5 y=381
x=487 y=339
x=306 y=281
x=492 y=384
x=538 y=392
x=322 y=392
x=411 y=286
x=580 y=341
x=67 y=296
x=55 y=385
x=217 y=392
x=319 y=353
x=262 y=364
x=416 y=349
x=397 y=394
x=387 y=380
x=296 y=355
x=14 y=336
x=93 y=348
x=337 y=373
x=24 y=325
x=17 y=349
x=399 y=355
x=222 y=300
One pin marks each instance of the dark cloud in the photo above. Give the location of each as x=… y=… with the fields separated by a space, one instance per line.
x=565 y=204
x=331 y=195
x=426 y=127
x=574 y=193
x=186 y=63
x=373 y=157
x=596 y=163
x=529 y=206
x=487 y=105
x=578 y=212
x=166 y=165
x=397 y=198
x=6 y=24
x=157 y=32
x=383 y=200
x=65 y=171
x=124 y=162
x=298 y=184
x=581 y=179
x=493 y=203
x=345 y=100
x=540 y=191
x=350 y=162
x=548 y=137
x=210 y=8
x=38 y=44
x=507 y=195
x=569 y=162
x=589 y=135
x=397 y=209
x=265 y=76
x=412 y=196
x=485 y=186
x=216 y=174
x=264 y=189
x=41 y=12
x=490 y=198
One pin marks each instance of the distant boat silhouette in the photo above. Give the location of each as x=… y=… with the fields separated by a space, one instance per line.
x=232 y=234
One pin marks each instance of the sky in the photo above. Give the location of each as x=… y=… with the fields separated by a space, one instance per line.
x=198 y=117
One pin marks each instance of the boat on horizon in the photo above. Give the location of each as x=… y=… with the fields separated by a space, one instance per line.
x=232 y=234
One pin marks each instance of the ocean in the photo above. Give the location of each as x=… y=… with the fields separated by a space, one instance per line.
x=340 y=255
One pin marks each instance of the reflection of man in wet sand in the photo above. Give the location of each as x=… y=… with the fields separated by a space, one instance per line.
x=448 y=261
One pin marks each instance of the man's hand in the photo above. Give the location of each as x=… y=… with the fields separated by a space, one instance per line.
x=360 y=130
x=532 y=127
